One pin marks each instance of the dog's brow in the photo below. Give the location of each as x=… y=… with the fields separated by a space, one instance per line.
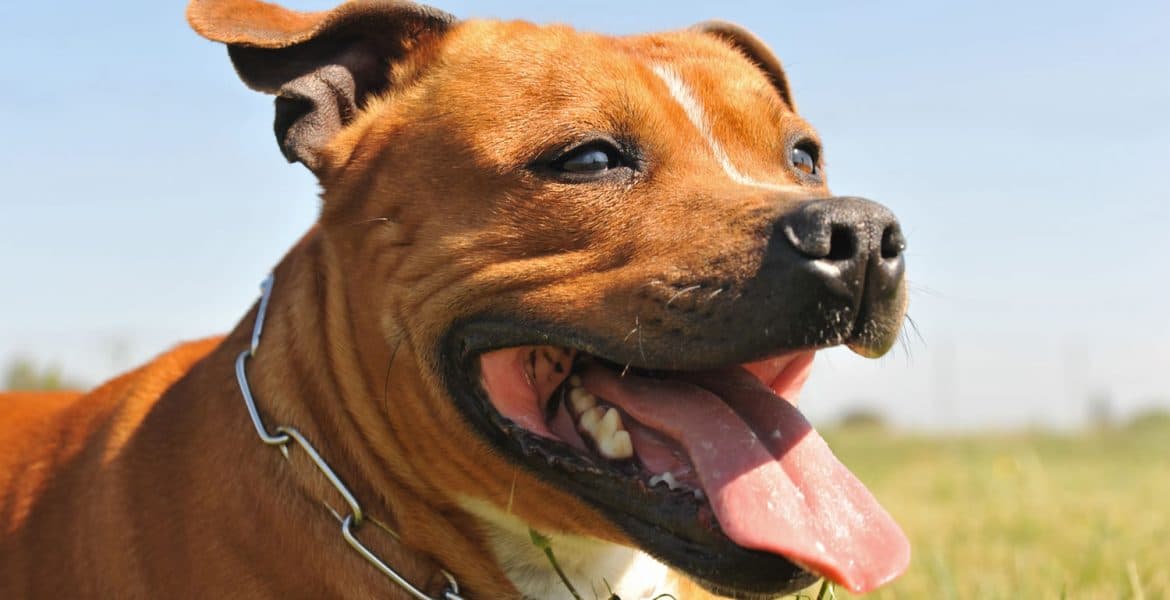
x=686 y=99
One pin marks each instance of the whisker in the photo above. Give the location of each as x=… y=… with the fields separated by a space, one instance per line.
x=641 y=349
x=373 y=220
x=904 y=339
x=386 y=381
x=904 y=345
x=918 y=288
x=681 y=292
x=914 y=326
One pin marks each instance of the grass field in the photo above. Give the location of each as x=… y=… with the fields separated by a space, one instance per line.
x=1024 y=516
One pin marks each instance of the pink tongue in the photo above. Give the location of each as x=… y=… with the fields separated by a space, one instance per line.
x=774 y=486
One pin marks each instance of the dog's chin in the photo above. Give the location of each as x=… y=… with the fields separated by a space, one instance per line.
x=543 y=396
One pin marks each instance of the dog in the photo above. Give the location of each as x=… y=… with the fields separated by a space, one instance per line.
x=546 y=339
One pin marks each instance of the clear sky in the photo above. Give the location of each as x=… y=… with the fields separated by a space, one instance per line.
x=1025 y=147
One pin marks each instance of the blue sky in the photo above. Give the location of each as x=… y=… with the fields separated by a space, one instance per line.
x=1025 y=147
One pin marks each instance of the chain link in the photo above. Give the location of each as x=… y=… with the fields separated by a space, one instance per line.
x=286 y=436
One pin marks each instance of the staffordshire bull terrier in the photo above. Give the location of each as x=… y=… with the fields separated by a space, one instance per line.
x=546 y=339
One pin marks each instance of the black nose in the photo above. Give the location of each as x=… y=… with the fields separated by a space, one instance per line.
x=854 y=243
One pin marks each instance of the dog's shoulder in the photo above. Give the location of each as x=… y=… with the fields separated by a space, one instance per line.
x=40 y=431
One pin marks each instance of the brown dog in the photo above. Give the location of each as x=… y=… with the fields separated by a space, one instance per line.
x=561 y=289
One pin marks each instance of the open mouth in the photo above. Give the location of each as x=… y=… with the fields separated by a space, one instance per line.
x=715 y=471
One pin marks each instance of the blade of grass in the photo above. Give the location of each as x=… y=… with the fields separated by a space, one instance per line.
x=542 y=542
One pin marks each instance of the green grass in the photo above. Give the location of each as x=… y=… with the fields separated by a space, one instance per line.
x=1023 y=516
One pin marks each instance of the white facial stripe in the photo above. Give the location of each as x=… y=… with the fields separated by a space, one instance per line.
x=685 y=98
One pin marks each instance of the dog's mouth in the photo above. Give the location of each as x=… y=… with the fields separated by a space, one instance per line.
x=715 y=471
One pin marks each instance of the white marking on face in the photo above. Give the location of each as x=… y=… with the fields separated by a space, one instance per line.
x=685 y=98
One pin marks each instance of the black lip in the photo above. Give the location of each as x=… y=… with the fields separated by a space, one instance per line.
x=673 y=526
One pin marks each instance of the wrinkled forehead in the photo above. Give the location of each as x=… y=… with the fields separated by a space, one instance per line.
x=524 y=87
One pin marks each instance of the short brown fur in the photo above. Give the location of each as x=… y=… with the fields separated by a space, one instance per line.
x=155 y=483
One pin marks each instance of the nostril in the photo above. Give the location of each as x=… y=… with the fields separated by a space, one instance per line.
x=842 y=243
x=893 y=242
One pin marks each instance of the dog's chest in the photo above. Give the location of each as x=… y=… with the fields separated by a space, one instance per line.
x=595 y=568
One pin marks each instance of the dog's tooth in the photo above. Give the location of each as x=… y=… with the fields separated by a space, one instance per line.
x=617 y=446
x=610 y=423
x=581 y=400
x=667 y=478
x=590 y=420
x=623 y=444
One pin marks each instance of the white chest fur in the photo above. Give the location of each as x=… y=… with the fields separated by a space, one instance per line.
x=588 y=563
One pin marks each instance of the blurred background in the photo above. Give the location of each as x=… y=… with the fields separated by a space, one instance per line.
x=1020 y=431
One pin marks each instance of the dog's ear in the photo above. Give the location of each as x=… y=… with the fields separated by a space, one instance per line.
x=755 y=50
x=321 y=66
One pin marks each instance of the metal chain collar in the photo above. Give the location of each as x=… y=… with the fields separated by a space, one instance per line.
x=285 y=436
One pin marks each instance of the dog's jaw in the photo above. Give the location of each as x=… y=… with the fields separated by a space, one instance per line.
x=590 y=564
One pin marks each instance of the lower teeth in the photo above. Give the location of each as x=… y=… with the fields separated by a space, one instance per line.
x=667 y=478
x=601 y=424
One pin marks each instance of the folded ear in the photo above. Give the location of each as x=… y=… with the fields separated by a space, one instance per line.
x=755 y=50
x=322 y=66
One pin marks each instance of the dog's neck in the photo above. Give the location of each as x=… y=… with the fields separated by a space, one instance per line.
x=312 y=373
x=305 y=375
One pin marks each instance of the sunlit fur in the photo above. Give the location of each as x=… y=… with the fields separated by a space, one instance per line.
x=156 y=485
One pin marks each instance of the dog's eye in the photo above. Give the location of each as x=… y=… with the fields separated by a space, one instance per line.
x=804 y=158
x=590 y=159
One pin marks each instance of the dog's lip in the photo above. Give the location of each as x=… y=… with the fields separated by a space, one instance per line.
x=474 y=337
x=695 y=543
x=821 y=500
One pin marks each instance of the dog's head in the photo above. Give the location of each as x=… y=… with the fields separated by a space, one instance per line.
x=612 y=260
